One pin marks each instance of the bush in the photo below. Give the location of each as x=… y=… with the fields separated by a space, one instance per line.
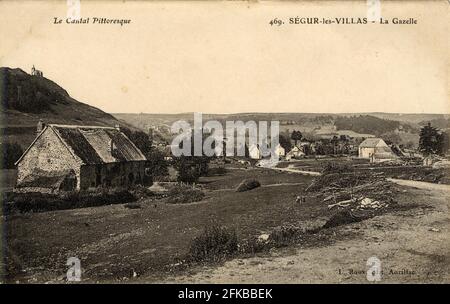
x=343 y=217
x=217 y=171
x=132 y=206
x=283 y=235
x=156 y=163
x=252 y=246
x=187 y=171
x=335 y=167
x=140 y=191
x=38 y=202
x=180 y=194
x=337 y=181
x=248 y=184
x=191 y=168
x=187 y=174
x=214 y=244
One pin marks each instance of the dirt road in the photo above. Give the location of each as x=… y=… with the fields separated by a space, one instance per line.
x=421 y=185
x=412 y=245
x=292 y=170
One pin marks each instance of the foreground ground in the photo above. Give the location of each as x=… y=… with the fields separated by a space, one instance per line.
x=149 y=244
x=412 y=245
x=119 y=244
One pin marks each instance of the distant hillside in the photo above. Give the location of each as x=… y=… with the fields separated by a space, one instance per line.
x=409 y=118
x=404 y=131
x=371 y=124
x=150 y=118
x=25 y=99
x=440 y=123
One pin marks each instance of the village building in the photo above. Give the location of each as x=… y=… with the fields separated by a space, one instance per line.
x=295 y=153
x=279 y=150
x=254 y=152
x=376 y=150
x=69 y=157
x=36 y=72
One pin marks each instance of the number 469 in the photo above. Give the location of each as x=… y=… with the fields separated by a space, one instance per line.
x=276 y=21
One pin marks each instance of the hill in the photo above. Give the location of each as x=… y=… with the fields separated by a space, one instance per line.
x=404 y=130
x=27 y=98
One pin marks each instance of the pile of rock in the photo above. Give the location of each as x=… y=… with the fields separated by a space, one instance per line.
x=360 y=204
x=367 y=204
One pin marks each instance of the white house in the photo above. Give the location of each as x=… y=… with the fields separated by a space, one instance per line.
x=375 y=149
x=254 y=152
x=279 y=150
x=295 y=152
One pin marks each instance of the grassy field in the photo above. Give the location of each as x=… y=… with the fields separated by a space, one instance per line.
x=113 y=241
x=151 y=242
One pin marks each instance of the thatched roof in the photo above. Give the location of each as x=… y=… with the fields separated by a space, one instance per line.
x=370 y=143
x=94 y=145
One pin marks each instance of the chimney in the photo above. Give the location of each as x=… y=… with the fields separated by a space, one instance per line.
x=117 y=126
x=40 y=126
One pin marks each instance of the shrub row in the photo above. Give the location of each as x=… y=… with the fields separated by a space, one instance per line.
x=184 y=194
x=39 y=202
x=216 y=242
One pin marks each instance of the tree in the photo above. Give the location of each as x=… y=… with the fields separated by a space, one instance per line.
x=343 y=138
x=296 y=135
x=335 y=143
x=186 y=171
x=392 y=138
x=285 y=143
x=140 y=139
x=429 y=141
x=11 y=152
x=410 y=145
x=156 y=163
x=443 y=143
x=190 y=168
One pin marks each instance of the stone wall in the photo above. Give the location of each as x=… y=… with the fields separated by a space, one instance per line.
x=48 y=154
x=365 y=152
x=113 y=175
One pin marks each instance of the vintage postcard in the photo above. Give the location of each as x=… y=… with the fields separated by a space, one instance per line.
x=260 y=142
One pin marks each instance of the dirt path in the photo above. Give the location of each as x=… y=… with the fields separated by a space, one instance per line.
x=291 y=170
x=421 y=185
x=402 y=182
x=412 y=245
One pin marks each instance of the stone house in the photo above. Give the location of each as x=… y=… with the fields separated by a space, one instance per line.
x=280 y=151
x=254 y=152
x=376 y=150
x=70 y=157
x=295 y=153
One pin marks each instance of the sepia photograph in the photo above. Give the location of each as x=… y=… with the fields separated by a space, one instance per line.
x=195 y=143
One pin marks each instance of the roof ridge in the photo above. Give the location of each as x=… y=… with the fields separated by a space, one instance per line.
x=81 y=126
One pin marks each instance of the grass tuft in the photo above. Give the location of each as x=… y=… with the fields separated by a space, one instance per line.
x=214 y=244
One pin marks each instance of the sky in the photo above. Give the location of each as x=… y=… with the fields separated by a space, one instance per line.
x=222 y=57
